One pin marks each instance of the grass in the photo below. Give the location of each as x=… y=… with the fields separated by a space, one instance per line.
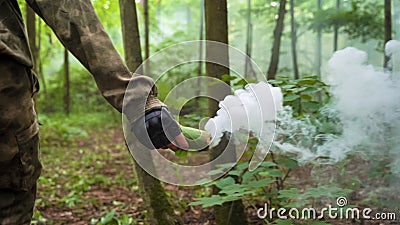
x=87 y=170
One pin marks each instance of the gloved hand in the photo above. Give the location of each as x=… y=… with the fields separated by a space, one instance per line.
x=158 y=128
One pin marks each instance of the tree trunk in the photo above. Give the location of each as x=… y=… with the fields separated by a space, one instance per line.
x=248 y=67
x=294 y=40
x=200 y=68
x=229 y=213
x=388 y=27
x=216 y=15
x=274 y=62
x=160 y=211
x=318 y=55
x=146 y=36
x=67 y=94
x=130 y=34
x=336 y=29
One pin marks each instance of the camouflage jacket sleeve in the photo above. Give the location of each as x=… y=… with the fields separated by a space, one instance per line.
x=77 y=26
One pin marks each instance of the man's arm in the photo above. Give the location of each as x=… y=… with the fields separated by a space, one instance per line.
x=77 y=26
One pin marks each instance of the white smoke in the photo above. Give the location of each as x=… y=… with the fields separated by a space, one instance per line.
x=392 y=50
x=365 y=102
x=251 y=109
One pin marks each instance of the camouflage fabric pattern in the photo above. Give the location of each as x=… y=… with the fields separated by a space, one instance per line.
x=19 y=143
x=77 y=26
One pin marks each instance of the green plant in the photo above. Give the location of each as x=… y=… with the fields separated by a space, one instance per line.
x=352 y=20
x=306 y=95
x=112 y=219
x=267 y=182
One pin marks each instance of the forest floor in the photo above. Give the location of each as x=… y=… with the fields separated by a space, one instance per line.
x=88 y=178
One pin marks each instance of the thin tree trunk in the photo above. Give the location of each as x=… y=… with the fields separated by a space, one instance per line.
x=248 y=67
x=336 y=29
x=388 y=27
x=216 y=17
x=201 y=38
x=146 y=36
x=200 y=68
x=130 y=35
x=294 y=40
x=318 y=55
x=274 y=62
x=159 y=208
x=67 y=95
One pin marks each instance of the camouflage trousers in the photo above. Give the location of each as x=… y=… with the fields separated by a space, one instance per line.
x=19 y=143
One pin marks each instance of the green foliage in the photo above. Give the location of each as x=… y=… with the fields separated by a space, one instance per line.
x=240 y=182
x=57 y=128
x=85 y=96
x=267 y=182
x=306 y=95
x=112 y=219
x=353 y=21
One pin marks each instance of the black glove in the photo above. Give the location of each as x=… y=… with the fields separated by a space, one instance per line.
x=156 y=129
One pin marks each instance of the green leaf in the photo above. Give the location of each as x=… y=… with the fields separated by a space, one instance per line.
x=271 y=172
x=311 y=90
x=306 y=97
x=312 y=105
x=227 y=77
x=299 y=89
x=290 y=97
x=242 y=166
x=216 y=171
x=208 y=201
x=259 y=183
x=233 y=189
x=307 y=81
x=241 y=82
x=224 y=182
x=267 y=164
x=287 y=163
x=292 y=193
x=234 y=173
x=288 y=86
x=109 y=218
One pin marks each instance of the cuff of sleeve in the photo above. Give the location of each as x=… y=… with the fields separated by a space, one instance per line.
x=140 y=96
x=153 y=102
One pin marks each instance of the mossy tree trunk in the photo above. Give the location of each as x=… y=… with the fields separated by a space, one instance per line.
x=230 y=213
x=159 y=209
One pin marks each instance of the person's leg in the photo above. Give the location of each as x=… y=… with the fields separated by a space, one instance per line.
x=19 y=143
